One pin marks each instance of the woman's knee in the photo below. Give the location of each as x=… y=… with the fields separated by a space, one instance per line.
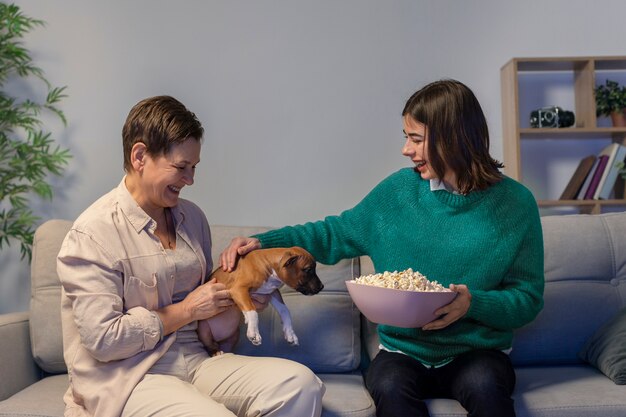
x=484 y=383
x=262 y=385
x=488 y=372
x=168 y=396
x=390 y=374
x=383 y=385
x=297 y=391
x=301 y=377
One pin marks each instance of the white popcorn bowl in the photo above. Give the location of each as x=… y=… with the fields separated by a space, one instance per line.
x=398 y=308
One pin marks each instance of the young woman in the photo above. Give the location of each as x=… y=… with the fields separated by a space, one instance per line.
x=455 y=218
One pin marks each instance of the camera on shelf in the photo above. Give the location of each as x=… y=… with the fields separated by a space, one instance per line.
x=551 y=116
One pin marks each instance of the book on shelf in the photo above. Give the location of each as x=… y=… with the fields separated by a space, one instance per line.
x=575 y=183
x=610 y=151
x=585 y=187
x=612 y=169
x=595 y=180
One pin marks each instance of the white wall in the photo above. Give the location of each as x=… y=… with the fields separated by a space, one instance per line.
x=301 y=100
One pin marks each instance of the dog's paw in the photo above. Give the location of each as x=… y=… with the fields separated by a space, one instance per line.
x=290 y=337
x=254 y=338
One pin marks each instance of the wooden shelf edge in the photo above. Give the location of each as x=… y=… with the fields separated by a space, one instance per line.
x=558 y=203
x=571 y=130
x=569 y=58
x=541 y=64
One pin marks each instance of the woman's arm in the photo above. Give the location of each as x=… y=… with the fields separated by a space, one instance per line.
x=205 y=301
x=519 y=298
x=94 y=288
x=116 y=323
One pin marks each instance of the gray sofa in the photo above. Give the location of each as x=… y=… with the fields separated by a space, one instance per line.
x=585 y=294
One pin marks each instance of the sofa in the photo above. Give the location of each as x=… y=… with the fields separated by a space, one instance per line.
x=570 y=361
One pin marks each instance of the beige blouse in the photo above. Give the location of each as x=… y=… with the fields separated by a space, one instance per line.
x=115 y=272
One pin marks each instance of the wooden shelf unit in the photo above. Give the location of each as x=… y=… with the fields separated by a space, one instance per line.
x=583 y=70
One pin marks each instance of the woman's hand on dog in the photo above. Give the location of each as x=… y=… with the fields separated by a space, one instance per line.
x=207 y=300
x=239 y=246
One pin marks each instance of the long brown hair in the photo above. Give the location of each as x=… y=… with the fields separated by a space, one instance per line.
x=457 y=133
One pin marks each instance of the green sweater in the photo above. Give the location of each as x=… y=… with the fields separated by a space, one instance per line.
x=489 y=240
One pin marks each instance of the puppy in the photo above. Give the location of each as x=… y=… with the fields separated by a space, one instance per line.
x=261 y=271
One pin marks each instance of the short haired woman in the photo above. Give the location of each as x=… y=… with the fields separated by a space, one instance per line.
x=134 y=268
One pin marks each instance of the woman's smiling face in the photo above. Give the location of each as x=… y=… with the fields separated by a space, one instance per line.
x=416 y=146
x=416 y=149
x=164 y=176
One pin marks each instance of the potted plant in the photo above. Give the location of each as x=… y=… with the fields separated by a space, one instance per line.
x=611 y=101
x=27 y=152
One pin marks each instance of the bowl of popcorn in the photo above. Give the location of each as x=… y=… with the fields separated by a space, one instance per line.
x=402 y=299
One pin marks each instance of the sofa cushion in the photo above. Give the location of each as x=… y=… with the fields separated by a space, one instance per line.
x=333 y=304
x=41 y=399
x=323 y=347
x=17 y=368
x=553 y=391
x=45 y=304
x=346 y=396
x=327 y=325
x=570 y=390
x=606 y=349
x=585 y=267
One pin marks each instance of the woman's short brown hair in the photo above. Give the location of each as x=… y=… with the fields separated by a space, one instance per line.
x=457 y=133
x=158 y=122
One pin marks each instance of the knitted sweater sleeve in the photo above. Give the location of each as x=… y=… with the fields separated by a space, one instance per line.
x=337 y=237
x=519 y=298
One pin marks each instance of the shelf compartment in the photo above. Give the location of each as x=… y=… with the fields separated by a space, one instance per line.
x=549 y=74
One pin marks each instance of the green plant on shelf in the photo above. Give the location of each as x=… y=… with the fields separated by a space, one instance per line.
x=610 y=98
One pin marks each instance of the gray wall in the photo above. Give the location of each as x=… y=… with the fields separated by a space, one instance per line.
x=301 y=100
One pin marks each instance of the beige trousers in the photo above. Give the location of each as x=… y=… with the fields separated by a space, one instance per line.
x=192 y=384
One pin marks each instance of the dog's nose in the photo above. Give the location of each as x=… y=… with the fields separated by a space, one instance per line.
x=311 y=289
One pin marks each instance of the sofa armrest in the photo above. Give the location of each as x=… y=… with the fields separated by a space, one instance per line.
x=17 y=367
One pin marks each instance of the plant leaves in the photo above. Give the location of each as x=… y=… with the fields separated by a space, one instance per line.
x=27 y=152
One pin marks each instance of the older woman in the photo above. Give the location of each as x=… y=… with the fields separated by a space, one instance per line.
x=455 y=218
x=133 y=269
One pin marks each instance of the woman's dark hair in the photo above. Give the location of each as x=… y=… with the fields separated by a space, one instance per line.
x=158 y=122
x=457 y=133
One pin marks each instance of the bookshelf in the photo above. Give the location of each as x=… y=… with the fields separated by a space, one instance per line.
x=577 y=77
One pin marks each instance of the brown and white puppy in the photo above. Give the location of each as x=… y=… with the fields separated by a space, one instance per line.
x=261 y=271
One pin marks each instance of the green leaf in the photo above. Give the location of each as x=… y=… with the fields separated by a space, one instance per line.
x=610 y=98
x=28 y=154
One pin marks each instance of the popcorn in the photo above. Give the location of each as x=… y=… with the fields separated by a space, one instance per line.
x=405 y=280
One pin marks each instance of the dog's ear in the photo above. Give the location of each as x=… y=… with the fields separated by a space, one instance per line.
x=290 y=261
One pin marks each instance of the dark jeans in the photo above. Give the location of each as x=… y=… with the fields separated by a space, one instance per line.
x=481 y=380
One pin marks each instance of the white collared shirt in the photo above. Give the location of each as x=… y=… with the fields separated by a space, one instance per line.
x=437 y=184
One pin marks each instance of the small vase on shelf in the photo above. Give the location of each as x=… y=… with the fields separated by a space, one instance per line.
x=618 y=118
